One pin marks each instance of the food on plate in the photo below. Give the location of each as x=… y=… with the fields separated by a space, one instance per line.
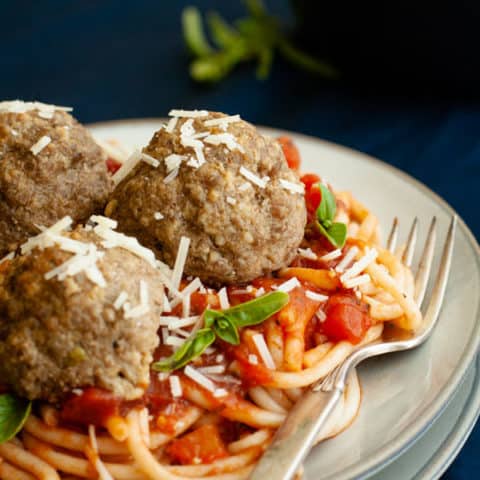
x=216 y=180
x=51 y=167
x=60 y=325
x=230 y=361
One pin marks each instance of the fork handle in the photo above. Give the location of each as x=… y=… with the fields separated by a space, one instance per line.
x=296 y=435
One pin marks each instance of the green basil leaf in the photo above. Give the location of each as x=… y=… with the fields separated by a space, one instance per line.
x=226 y=330
x=193 y=33
x=336 y=234
x=210 y=316
x=328 y=206
x=256 y=311
x=192 y=348
x=14 y=412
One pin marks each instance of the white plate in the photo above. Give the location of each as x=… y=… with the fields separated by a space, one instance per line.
x=431 y=455
x=403 y=393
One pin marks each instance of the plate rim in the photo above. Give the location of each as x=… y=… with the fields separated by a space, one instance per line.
x=448 y=450
x=411 y=432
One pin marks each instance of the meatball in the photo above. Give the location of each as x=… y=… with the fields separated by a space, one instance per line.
x=50 y=167
x=58 y=334
x=242 y=209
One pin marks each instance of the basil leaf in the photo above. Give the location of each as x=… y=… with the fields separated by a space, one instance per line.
x=256 y=311
x=210 y=316
x=191 y=349
x=328 y=206
x=226 y=330
x=336 y=234
x=193 y=33
x=14 y=412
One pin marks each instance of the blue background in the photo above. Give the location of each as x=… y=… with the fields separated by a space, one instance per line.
x=123 y=59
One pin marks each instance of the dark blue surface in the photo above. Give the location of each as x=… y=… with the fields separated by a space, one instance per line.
x=118 y=59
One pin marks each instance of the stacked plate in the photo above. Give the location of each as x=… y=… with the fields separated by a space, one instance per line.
x=418 y=407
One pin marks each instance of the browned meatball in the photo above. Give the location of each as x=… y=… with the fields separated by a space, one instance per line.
x=60 y=334
x=66 y=177
x=238 y=230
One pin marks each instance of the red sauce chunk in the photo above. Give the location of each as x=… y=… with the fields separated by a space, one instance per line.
x=112 y=165
x=251 y=374
x=290 y=151
x=203 y=445
x=93 y=407
x=347 y=318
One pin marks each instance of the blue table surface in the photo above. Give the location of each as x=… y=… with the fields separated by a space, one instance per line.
x=118 y=59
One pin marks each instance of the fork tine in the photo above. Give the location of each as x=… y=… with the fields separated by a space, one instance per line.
x=425 y=265
x=438 y=293
x=392 y=237
x=410 y=246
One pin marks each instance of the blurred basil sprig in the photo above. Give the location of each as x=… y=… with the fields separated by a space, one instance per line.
x=253 y=38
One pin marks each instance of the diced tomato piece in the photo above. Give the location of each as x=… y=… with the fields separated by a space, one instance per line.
x=112 y=165
x=347 y=319
x=309 y=179
x=203 y=445
x=290 y=151
x=93 y=407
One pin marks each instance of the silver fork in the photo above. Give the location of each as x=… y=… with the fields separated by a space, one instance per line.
x=297 y=434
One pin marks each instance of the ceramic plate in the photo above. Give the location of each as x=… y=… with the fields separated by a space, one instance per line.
x=405 y=392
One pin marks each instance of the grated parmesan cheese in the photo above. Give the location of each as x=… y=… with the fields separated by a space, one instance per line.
x=166 y=304
x=260 y=292
x=244 y=186
x=171 y=176
x=220 y=392
x=194 y=285
x=182 y=254
x=37 y=147
x=120 y=300
x=226 y=139
x=158 y=216
x=289 y=285
x=231 y=200
x=130 y=163
x=357 y=281
x=360 y=265
x=172 y=123
x=347 y=259
x=263 y=351
x=253 y=359
x=10 y=256
x=198 y=378
x=292 y=187
x=19 y=106
x=174 y=341
x=331 y=255
x=115 y=239
x=175 y=386
x=223 y=298
x=317 y=297
x=150 y=160
x=222 y=121
x=320 y=314
x=187 y=113
x=173 y=161
x=215 y=369
x=252 y=177
x=307 y=253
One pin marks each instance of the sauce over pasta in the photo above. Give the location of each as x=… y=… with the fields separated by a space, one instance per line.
x=215 y=416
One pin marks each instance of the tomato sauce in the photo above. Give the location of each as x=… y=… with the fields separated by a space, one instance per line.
x=203 y=445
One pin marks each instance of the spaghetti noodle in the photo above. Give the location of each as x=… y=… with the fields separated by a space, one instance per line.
x=220 y=417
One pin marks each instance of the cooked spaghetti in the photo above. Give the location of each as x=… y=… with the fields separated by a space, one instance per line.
x=213 y=417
